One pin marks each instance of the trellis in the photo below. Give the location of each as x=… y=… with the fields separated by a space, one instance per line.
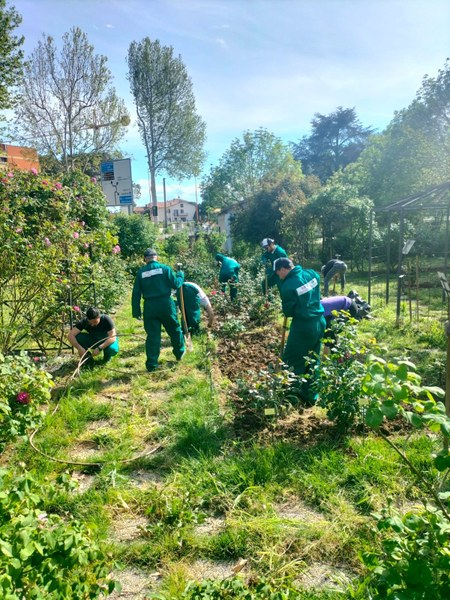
x=436 y=198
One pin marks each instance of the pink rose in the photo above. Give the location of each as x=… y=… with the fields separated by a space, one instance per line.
x=58 y=185
x=44 y=182
x=10 y=174
x=86 y=245
x=116 y=249
x=213 y=293
x=94 y=179
x=19 y=230
x=34 y=171
x=76 y=308
x=76 y=235
x=47 y=242
x=23 y=398
x=36 y=358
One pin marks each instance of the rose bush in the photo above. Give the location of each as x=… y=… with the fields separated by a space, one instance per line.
x=24 y=387
x=54 y=234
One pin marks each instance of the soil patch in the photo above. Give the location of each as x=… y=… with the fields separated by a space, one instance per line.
x=135 y=584
x=210 y=526
x=126 y=527
x=141 y=479
x=207 y=569
x=296 y=511
x=322 y=576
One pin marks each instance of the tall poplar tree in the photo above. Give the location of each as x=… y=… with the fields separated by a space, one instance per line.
x=171 y=130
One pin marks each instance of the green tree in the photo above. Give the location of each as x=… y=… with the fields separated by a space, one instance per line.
x=69 y=109
x=171 y=130
x=343 y=217
x=241 y=172
x=336 y=141
x=11 y=54
x=413 y=153
x=136 y=233
x=262 y=214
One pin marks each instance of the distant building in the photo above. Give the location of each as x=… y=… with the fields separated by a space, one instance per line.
x=178 y=211
x=224 y=218
x=18 y=157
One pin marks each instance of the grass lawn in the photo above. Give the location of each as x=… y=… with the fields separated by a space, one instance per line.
x=162 y=478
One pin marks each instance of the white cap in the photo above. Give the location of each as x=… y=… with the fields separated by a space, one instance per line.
x=266 y=242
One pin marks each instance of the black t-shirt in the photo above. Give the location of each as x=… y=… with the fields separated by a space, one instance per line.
x=106 y=324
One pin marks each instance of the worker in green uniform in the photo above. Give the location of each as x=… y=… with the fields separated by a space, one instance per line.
x=195 y=299
x=229 y=273
x=271 y=252
x=154 y=282
x=300 y=297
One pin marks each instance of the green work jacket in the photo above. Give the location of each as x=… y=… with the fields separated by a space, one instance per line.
x=300 y=294
x=268 y=258
x=154 y=281
x=229 y=269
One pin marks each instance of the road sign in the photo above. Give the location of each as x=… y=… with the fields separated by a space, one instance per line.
x=117 y=184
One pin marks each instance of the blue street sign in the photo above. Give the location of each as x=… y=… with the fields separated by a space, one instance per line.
x=126 y=199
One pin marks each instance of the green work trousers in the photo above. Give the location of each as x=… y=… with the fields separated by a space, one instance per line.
x=305 y=337
x=157 y=312
x=233 y=288
x=89 y=341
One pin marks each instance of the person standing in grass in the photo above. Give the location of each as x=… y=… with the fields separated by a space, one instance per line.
x=334 y=267
x=93 y=334
x=154 y=282
x=229 y=273
x=300 y=298
x=271 y=252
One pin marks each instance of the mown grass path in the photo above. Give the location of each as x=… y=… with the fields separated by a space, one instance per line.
x=175 y=496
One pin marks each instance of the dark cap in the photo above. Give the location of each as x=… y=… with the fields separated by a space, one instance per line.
x=281 y=263
x=150 y=252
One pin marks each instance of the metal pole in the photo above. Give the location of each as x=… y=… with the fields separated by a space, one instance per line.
x=369 y=287
x=165 y=203
x=196 y=200
x=399 y=268
x=388 y=258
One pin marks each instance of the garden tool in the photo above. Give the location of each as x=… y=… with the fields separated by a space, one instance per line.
x=187 y=335
x=283 y=336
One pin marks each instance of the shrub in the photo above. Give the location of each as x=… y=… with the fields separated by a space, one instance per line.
x=45 y=555
x=339 y=379
x=23 y=389
x=52 y=232
x=136 y=233
x=415 y=558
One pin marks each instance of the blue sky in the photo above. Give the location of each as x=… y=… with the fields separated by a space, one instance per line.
x=262 y=63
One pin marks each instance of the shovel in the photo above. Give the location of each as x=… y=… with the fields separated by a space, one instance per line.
x=283 y=336
x=187 y=335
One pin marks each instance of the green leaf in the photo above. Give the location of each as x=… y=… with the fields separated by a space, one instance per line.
x=389 y=409
x=402 y=372
x=442 y=463
x=27 y=551
x=374 y=417
x=435 y=391
x=6 y=548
